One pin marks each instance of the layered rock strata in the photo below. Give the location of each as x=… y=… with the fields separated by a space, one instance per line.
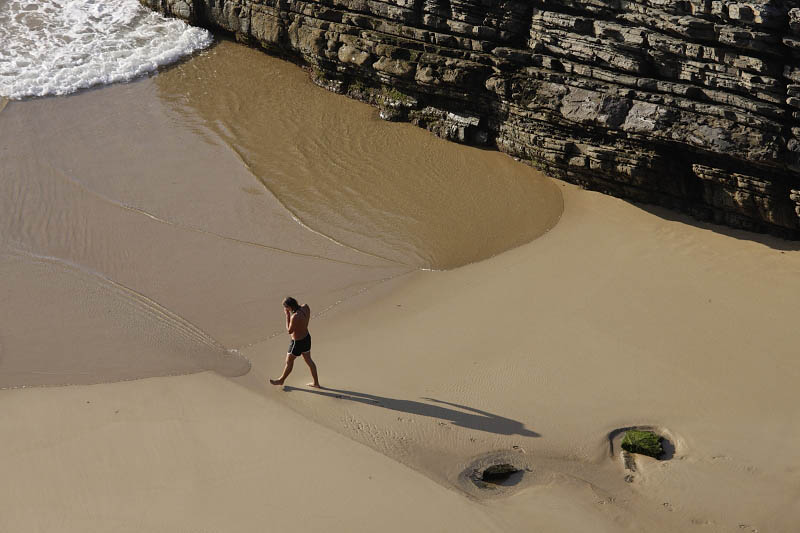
x=689 y=104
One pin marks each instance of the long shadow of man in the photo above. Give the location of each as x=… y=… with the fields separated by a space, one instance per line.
x=466 y=417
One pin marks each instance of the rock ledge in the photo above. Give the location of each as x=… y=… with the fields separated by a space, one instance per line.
x=693 y=105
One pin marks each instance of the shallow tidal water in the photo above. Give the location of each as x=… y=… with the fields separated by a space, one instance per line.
x=391 y=190
x=151 y=228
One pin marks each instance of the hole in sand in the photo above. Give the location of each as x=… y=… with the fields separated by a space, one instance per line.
x=495 y=474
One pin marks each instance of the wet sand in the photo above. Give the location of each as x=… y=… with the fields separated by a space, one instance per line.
x=150 y=228
x=383 y=188
x=144 y=200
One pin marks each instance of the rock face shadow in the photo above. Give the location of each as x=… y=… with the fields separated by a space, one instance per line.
x=775 y=242
x=458 y=415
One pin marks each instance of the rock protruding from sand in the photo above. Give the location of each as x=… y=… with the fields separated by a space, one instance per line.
x=642 y=442
x=495 y=473
x=499 y=474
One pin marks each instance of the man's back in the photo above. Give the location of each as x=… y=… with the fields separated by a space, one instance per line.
x=298 y=327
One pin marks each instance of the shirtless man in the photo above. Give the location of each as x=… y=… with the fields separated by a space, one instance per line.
x=297 y=318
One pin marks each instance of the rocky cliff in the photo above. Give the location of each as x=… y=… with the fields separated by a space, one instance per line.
x=690 y=104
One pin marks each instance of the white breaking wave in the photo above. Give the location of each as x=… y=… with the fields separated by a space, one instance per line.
x=54 y=47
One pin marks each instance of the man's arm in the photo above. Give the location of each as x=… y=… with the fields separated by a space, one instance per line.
x=288 y=320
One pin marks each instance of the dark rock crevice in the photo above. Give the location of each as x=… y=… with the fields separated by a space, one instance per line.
x=692 y=105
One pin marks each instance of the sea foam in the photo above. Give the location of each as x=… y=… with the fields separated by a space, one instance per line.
x=55 y=47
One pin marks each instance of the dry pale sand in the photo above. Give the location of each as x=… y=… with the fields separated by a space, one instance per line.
x=618 y=316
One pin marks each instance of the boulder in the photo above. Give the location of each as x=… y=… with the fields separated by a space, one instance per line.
x=642 y=442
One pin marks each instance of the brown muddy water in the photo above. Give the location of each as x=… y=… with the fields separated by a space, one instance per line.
x=151 y=228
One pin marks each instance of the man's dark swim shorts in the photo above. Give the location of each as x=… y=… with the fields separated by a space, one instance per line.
x=300 y=346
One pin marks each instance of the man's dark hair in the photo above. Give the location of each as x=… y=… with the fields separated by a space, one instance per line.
x=291 y=303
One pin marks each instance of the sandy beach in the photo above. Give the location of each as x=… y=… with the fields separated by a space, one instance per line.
x=474 y=313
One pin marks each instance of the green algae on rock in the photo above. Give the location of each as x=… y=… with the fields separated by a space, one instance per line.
x=642 y=442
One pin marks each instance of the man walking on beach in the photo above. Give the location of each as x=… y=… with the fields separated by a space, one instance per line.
x=297 y=318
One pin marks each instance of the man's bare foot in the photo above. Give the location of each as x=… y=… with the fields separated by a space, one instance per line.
x=276 y=381
x=315 y=385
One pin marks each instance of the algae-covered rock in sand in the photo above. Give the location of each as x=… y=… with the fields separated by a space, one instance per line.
x=643 y=442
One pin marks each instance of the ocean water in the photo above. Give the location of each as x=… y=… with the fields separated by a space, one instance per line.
x=57 y=47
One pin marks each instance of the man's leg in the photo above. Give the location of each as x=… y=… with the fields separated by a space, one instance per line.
x=286 y=371
x=313 y=367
